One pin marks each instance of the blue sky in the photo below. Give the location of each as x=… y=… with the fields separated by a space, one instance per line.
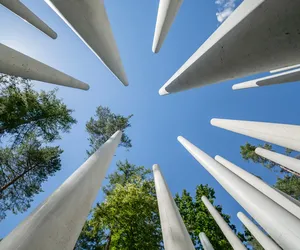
x=158 y=120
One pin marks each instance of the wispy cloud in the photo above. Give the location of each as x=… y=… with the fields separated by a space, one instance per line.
x=225 y=8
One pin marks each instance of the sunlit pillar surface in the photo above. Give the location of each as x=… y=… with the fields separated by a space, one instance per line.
x=15 y=63
x=280 y=224
x=167 y=11
x=284 y=135
x=260 y=35
x=266 y=242
x=261 y=186
x=175 y=235
x=285 y=77
x=227 y=231
x=57 y=222
x=283 y=160
x=89 y=21
x=205 y=242
x=22 y=11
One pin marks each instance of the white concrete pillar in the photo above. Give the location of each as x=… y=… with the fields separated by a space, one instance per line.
x=285 y=77
x=283 y=160
x=57 y=222
x=166 y=14
x=175 y=234
x=280 y=224
x=297 y=202
x=284 y=69
x=261 y=186
x=89 y=21
x=227 y=231
x=237 y=50
x=22 y=11
x=284 y=135
x=205 y=242
x=15 y=63
x=266 y=242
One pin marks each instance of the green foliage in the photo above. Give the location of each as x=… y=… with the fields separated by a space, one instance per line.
x=104 y=125
x=289 y=184
x=128 y=217
x=24 y=111
x=198 y=219
x=22 y=171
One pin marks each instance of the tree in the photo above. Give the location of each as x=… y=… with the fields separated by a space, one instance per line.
x=24 y=111
x=198 y=219
x=104 y=125
x=128 y=217
x=22 y=171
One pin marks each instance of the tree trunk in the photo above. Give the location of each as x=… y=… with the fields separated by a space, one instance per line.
x=15 y=179
x=107 y=247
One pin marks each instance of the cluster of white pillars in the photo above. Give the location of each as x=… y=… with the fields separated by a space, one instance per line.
x=22 y=11
x=279 y=223
x=57 y=222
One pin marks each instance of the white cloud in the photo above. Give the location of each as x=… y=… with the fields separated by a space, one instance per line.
x=225 y=8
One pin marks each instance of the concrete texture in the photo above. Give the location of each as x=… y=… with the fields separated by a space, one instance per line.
x=227 y=231
x=22 y=11
x=260 y=35
x=280 y=224
x=15 y=63
x=166 y=14
x=57 y=222
x=266 y=242
x=284 y=135
x=89 y=21
x=175 y=235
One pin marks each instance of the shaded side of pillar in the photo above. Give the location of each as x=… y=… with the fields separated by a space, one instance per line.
x=57 y=222
x=15 y=63
x=280 y=224
x=227 y=231
x=89 y=20
x=205 y=242
x=261 y=186
x=284 y=135
x=22 y=11
x=166 y=14
x=266 y=242
x=175 y=234
x=283 y=160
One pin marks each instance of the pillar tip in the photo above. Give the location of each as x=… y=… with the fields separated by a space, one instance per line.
x=163 y=91
x=217 y=157
x=180 y=138
x=155 y=167
x=258 y=150
x=214 y=121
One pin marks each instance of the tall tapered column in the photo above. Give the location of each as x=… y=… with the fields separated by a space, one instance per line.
x=285 y=77
x=205 y=242
x=229 y=234
x=89 y=21
x=15 y=63
x=236 y=49
x=283 y=160
x=284 y=135
x=284 y=68
x=167 y=11
x=175 y=235
x=57 y=222
x=22 y=11
x=280 y=224
x=266 y=242
x=261 y=186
